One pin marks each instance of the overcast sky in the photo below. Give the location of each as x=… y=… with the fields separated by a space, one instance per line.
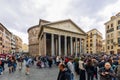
x=19 y=15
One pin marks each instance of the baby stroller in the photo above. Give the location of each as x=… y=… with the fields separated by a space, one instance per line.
x=1 y=70
x=39 y=64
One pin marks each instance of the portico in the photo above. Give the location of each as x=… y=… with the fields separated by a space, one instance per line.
x=62 y=38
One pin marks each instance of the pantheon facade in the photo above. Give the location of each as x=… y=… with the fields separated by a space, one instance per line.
x=61 y=38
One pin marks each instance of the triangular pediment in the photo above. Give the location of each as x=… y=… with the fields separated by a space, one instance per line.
x=66 y=25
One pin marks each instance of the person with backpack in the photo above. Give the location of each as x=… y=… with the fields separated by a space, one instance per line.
x=63 y=73
x=70 y=67
x=28 y=63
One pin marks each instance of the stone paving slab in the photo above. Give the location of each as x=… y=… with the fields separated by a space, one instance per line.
x=35 y=74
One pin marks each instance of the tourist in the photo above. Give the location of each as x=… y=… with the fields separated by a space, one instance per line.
x=50 y=62
x=28 y=63
x=70 y=67
x=106 y=73
x=10 y=64
x=90 y=69
x=1 y=68
x=20 y=61
x=57 y=60
x=82 y=69
x=63 y=73
x=117 y=71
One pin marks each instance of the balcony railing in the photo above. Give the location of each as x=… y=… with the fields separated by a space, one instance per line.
x=110 y=30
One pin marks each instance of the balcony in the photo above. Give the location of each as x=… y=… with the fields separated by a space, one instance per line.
x=110 y=30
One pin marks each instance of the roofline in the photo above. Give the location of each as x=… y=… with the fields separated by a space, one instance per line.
x=5 y=28
x=108 y=21
x=94 y=29
x=56 y=22
x=42 y=20
x=116 y=16
x=18 y=37
x=32 y=27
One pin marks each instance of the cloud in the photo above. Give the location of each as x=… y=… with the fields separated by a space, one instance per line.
x=18 y=15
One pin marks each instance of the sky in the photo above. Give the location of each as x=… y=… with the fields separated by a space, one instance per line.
x=19 y=15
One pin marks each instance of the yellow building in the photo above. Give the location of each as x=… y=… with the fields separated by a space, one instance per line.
x=24 y=47
x=18 y=42
x=94 y=41
x=103 y=46
x=112 y=28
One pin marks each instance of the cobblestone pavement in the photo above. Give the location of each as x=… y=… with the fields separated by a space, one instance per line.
x=35 y=74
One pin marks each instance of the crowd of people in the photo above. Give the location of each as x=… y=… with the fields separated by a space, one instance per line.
x=90 y=67
x=86 y=66
x=16 y=61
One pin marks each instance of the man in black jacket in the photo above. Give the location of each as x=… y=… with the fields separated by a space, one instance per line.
x=63 y=74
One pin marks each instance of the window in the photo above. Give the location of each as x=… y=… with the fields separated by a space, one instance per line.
x=118 y=22
x=87 y=45
x=118 y=40
x=111 y=25
x=108 y=36
x=108 y=27
x=111 y=34
x=119 y=33
x=90 y=35
x=91 y=40
x=118 y=27
x=108 y=41
x=108 y=47
x=111 y=40
x=111 y=47
x=91 y=52
x=87 y=41
x=90 y=45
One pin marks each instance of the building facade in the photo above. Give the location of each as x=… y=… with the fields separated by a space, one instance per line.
x=61 y=38
x=24 y=47
x=112 y=29
x=18 y=44
x=5 y=40
x=103 y=46
x=94 y=42
x=13 y=44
